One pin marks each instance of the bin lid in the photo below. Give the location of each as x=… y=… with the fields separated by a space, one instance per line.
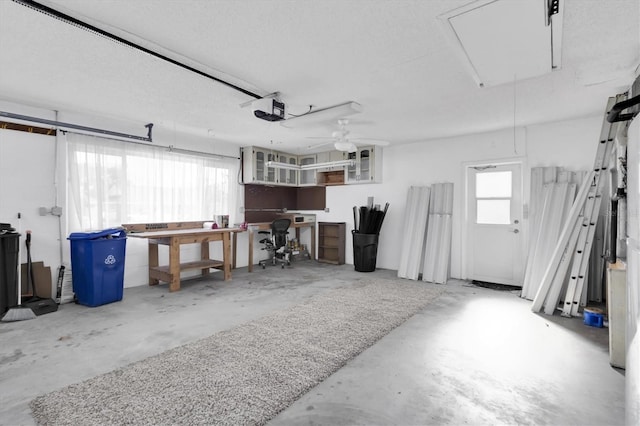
x=92 y=235
x=4 y=234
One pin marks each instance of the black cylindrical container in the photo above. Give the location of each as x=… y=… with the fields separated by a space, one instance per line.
x=9 y=247
x=365 y=251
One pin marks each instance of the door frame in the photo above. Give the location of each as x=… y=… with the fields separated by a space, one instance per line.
x=524 y=185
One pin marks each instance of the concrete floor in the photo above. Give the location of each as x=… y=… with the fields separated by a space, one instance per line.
x=474 y=356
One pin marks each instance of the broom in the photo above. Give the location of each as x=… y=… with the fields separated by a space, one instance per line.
x=19 y=313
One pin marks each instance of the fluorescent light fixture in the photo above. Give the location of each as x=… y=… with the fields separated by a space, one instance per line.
x=322 y=115
x=328 y=164
x=316 y=166
x=287 y=166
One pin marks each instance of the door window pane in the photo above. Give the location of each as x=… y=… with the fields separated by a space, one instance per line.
x=493 y=184
x=493 y=212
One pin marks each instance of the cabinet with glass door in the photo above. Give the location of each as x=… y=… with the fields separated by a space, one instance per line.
x=367 y=167
x=287 y=176
x=307 y=177
x=255 y=168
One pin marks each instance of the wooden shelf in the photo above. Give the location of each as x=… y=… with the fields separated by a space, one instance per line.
x=163 y=273
x=334 y=177
x=331 y=242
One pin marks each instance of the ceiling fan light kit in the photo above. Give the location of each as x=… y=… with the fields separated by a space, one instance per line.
x=343 y=143
x=345 y=146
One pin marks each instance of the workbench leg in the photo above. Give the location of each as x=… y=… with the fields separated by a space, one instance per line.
x=313 y=242
x=204 y=255
x=174 y=265
x=250 y=265
x=234 y=249
x=153 y=261
x=226 y=255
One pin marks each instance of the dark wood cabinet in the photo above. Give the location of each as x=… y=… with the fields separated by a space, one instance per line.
x=331 y=241
x=263 y=203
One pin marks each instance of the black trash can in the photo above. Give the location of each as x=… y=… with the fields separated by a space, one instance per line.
x=365 y=251
x=9 y=248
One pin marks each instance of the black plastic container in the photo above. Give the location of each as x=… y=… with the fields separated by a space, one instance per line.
x=9 y=247
x=365 y=251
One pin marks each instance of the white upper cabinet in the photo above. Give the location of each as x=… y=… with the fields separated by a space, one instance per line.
x=367 y=167
x=307 y=177
x=287 y=176
x=255 y=168
x=329 y=157
x=254 y=165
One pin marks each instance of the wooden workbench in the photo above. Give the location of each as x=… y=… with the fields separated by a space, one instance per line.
x=266 y=226
x=174 y=238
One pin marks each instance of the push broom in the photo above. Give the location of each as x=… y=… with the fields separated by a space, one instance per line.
x=19 y=313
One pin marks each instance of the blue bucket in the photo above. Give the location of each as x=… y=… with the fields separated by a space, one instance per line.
x=593 y=317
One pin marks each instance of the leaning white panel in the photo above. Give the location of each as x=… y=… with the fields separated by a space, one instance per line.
x=416 y=216
x=438 y=245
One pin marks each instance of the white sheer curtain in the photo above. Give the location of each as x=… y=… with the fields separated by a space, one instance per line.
x=113 y=182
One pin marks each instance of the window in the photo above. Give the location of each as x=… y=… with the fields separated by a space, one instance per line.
x=113 y=182
x=493 y=198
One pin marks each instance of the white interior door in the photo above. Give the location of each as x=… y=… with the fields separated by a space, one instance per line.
x=494 y=224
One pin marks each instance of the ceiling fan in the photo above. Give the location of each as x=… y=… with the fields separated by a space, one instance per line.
x=342 y=142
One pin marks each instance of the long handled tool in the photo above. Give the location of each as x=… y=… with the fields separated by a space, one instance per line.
x=19 y=313
x=38 y=305
x=59 y=284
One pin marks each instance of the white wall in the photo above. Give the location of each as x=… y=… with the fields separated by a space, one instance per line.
x=569 y=144
x=633 y=277
x=27 y=167
x=27 y=178
x=28 y=181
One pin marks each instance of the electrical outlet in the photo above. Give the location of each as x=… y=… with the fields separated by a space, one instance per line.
x=326 y=209
x=43 y=211
x=56 y=211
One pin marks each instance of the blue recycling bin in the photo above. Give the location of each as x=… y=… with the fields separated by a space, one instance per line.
x=97 y=266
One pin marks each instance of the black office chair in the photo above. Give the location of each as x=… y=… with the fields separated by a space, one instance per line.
x=276 y=244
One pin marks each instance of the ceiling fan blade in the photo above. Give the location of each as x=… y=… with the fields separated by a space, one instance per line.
x=367 y=141
x=318 y=145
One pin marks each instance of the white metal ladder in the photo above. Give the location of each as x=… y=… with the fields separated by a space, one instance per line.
x=576 y=238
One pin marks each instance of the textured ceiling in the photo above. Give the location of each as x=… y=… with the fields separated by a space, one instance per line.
x=392 y=57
